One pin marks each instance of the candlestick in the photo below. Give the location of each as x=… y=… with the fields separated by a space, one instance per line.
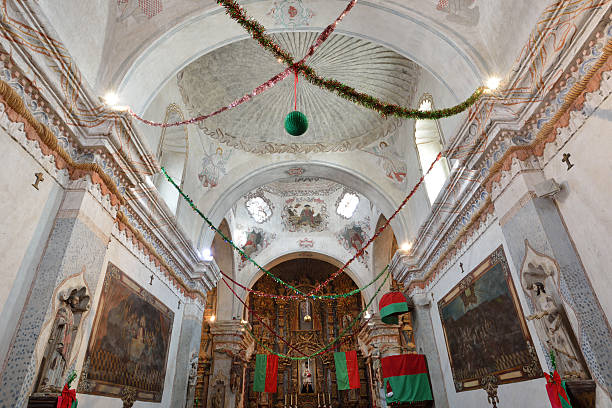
x=296 y=395
x=291 y=398
x=318 y=399
x=285 y=401
x=329 y=397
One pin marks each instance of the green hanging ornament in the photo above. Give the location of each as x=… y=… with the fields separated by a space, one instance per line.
x=296 y=123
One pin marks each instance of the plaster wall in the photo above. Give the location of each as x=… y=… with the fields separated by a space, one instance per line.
x=121 y=257
x=585 y=197
x=520 y=394
x=27 y=218
x=81 y=26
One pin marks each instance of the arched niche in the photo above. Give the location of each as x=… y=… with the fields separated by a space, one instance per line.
x=224 y=257
x=172 y=154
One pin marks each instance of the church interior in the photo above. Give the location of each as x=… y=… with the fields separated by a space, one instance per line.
x=306 y=203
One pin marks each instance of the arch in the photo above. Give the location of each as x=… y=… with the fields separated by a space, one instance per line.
x=253 y=274
x=172 y=154
x=331 y=171
x=154 y=66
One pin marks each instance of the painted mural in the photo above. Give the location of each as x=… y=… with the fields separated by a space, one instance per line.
x=129 y=341
x=213 y=166
x=138 y=9
x=291 y=13
x=389 y=161
x=354 y=236
x=256 y=241
x=305 y=215
x=484 y=327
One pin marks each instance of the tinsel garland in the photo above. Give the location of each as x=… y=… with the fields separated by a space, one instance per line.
x=328 y=347
x=258 y=32
x=300 y=294
x=288 y=297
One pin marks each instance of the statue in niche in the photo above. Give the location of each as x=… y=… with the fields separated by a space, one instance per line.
x=63 y=332
x=218 y=398
x=306 y=387
x=538 y=280
x=192 y=380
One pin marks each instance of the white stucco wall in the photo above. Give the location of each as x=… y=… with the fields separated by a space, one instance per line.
x=531 y=393
x=27 y=219
x=121 y=257
x=584 y=201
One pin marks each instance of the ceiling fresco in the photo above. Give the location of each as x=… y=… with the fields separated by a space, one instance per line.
x=334 y=123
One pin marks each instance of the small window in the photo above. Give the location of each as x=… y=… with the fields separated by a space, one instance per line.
x=347 y=205
x=259 y=209
x=429 y=143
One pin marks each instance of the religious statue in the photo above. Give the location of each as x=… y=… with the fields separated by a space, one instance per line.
x=538 y=277
x=192 y=380
x=217 y=400
x=549 y=316
x=307 y=379
x=59 y=346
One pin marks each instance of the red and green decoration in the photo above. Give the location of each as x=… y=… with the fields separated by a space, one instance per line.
x=67 y=399
x=347 y=370
x=258 y=32
x=555 y=387
x=266 y=371
x=392 y=305
x=405 y=378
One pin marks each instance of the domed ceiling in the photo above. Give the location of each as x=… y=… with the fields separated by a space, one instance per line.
x=221 y=76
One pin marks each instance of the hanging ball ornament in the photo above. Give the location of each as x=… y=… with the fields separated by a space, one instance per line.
x=296 y=123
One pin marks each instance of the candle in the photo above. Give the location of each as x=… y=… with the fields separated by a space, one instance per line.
x=285 y=400
x=318 y=399
x=296 y=394
x=291 y=399
x=329 y=397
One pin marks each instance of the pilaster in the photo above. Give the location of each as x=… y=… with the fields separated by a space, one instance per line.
x=75 y=251
x=528 y=219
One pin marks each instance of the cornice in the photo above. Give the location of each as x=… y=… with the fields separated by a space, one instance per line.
x=506 y=143
x=94 y=138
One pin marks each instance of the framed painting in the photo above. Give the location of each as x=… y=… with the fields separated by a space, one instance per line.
x=128 y=346
x=485 y=329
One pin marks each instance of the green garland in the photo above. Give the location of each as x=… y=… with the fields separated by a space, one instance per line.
x=261 y=268
x=258 y=32
x=331 y=343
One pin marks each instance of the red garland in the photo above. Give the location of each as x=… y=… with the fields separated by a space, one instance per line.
x=278 y=336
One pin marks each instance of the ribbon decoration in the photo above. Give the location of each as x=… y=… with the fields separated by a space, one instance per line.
x=557 y=394
x=320 y=286
x=261 y=88
x=328 y=347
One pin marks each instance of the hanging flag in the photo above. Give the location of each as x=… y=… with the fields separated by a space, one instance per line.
x=405 y=378
x=347 y=370
x=266 y=369
x=392 y=305
x=557 y=393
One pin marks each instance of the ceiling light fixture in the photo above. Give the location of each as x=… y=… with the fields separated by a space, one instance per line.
x=207 y=254
x=406 y=246
x=493 y=83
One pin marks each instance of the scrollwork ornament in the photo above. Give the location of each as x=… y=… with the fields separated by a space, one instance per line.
x=489 y=384
x=128 y=396
x=533 y=369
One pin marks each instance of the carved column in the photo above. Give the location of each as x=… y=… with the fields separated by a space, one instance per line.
x=529 y=221
x=425 y=344
x=377 y=340
x=75 y=250
x=230 y=347
x=188 y=350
